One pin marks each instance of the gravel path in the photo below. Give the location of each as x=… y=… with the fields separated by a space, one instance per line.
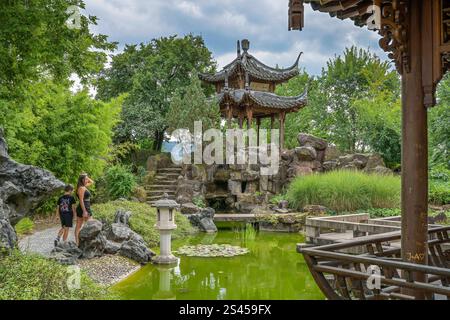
x=41 y=242
x=105 y=270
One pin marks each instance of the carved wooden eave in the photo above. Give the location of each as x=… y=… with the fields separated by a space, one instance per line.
x=390 y=19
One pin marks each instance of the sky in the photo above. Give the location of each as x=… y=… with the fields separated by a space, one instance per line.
x=222 y=23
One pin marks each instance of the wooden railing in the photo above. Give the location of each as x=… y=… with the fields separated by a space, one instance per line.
x=380 y=273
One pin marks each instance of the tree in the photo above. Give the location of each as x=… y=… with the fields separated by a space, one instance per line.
x=345 y=80
x=439 y=128
x=60 y=131
x=189 y=104
x=165 y=65
x=36 y=42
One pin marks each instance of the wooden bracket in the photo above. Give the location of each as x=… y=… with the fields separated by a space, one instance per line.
x=394 y=32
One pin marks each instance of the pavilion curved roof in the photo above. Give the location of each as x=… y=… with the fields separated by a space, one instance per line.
x=357 y=10
x=262 y=99
x=247 y=63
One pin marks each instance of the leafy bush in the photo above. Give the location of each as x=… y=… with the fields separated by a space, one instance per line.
x=345 y=191
x=199 y=202
x=24 y=226
x=31 y=277
x=384 y=212
x=140 y=193
x=439 y=192
x=120 y=182
x=142 y=220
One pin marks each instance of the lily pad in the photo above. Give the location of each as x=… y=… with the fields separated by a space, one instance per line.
x=212 y=250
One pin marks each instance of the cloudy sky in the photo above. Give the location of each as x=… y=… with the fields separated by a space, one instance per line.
x=221 y=23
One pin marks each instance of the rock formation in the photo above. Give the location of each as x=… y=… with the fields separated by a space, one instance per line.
x=242 y=188
x=98 y=239
x=204 y=220
x=22 y=189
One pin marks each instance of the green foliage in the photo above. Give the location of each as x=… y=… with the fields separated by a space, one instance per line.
x=199 y=202
x=60 y=131
x=345 y=191
x=31 y=277
x=354 y=104
x=383 y=212
x=120 y=182
x=189 y=104
x=151 y=74
x=439 y=129
x=35 y=41
x=277 y=198
x=24 y=226
x=142 y=220
x=439 y=192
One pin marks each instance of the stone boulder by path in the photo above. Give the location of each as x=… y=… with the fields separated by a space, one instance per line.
x=22 y=189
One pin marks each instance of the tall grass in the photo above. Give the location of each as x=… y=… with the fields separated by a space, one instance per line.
x=345 y=191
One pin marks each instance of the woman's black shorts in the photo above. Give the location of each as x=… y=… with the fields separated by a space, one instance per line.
x=80 y=211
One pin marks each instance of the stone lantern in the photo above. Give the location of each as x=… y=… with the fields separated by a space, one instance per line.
x=165 y=224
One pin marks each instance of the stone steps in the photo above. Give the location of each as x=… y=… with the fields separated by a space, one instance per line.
x=165 y=181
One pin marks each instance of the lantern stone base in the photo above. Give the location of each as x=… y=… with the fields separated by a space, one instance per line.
x=170 y=259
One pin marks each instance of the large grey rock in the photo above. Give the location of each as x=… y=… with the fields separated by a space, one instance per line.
x=204 y=220
x=66 y=253
x=92 y=241
x=136 y=250
x=112 y=247
x=122 y=216
x=119 y=232
x=312 y=141
x=22 y=189
x=306 y=153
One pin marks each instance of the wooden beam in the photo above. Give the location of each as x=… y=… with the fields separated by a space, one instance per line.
x=415 y=150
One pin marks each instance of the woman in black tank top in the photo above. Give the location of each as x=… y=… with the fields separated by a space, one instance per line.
x=84 y=212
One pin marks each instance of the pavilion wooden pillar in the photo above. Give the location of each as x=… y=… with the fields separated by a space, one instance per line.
x=258 y=126
x=415 y=148
x=229 y=115
x=282 y=117
x=241 y=120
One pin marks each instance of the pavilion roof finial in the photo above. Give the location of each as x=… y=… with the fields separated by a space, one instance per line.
x=245 y=45
x=238 y=48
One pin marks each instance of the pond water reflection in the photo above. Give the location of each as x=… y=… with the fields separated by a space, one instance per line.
x=272 y=270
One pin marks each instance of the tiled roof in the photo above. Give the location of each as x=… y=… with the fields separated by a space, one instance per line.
x=263 y=99
x=255 y=69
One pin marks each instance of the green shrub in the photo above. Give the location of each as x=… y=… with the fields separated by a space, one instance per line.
x=120 y=182
x=345 y=191
x=383 y=212
x=199 y=202
x=24 y=226
x=439 y=192
x=31 y=277
x=142 y=220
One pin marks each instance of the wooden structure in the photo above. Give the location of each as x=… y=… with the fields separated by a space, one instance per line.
x=416 y=33
x=245 y=90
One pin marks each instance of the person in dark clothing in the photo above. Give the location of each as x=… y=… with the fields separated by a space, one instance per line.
x=83 y=211
x=66 y=210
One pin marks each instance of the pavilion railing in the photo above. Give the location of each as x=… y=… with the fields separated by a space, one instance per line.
x=380 y=273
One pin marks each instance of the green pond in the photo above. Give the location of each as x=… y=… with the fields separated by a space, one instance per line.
x=271 y=270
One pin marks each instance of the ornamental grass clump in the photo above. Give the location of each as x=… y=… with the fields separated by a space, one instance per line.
x=345 y=191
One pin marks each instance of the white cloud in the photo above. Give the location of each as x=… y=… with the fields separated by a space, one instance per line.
x=263 y=22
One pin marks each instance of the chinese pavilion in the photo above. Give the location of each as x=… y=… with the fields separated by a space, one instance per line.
x=245 y=90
